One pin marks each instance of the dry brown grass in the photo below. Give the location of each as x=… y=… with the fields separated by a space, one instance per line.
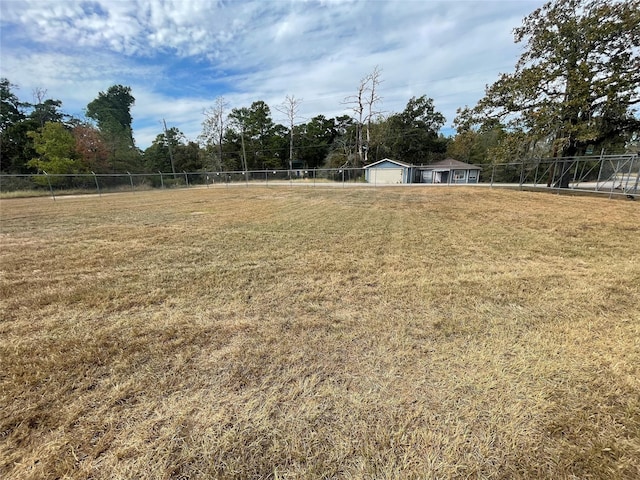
x=320 y=333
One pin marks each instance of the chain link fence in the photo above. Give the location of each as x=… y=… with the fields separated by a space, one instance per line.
x=59 y=184
x=613 y=175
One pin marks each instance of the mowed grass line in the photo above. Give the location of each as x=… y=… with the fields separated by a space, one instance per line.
x=320 y=333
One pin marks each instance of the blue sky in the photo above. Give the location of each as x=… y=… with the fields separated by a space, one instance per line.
x=179 y=56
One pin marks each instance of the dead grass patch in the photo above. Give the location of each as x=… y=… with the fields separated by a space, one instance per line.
x=320 y=333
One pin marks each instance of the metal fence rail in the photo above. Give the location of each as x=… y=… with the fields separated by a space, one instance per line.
x=611 y=175
x=113 y=182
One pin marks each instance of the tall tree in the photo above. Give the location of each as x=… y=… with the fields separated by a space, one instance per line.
x=315 y=139
x=213 y=130
x=413 y=133
x=112 y=112
x=578 y=78
x=167 y=153
x=13 y=131
x=372 y=99
x=363 y=104
x=11 y=109
x=188 y=157
x=290 y=108
x=255 y=129
x=45 y=109
x=239 y=119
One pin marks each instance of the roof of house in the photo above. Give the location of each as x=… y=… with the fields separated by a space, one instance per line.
x=450 y=163
x=400 y=164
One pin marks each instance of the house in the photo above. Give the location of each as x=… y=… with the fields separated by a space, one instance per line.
x=448 y=171
x=387 y=171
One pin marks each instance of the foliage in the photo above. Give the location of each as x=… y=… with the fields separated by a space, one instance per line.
x=314 y=140
x=91 y=148
x=578 y=78
x=16 y=148
x=413 y=133
x=47 y=111
x=111 y=111
x=253 y=131
x=10 y=105
x=188 y=157
x=158 y=156
x=56 y=146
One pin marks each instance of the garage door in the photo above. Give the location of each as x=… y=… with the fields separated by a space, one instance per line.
x=386 y=175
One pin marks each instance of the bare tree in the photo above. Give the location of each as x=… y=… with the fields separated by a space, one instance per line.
x=363 y=106
x=39 y=95
x=357 y=102
x=290 y=108
x=213 y=127
x=372 y=99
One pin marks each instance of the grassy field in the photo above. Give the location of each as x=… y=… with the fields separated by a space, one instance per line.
x=320 y=333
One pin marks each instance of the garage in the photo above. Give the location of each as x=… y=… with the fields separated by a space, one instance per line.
x=388 y=172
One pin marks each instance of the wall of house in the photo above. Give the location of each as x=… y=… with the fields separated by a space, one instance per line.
x=388 y=173
x=385 y=175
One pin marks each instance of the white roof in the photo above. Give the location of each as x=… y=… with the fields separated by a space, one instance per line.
x=401 y=164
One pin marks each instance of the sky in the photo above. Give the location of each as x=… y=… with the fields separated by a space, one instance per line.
x=180 y=56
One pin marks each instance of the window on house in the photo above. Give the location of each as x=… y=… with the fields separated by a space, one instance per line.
x=459 y=176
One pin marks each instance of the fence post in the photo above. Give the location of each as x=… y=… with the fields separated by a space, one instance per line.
x=600 y=171
x=186 y=179
x=131 y=180
x=97 y=185
x=626 y=183
x=575 y=173
x=493 y=172
x=161 y=179
x=50 y=187
x=615 y=177
x=635 y=187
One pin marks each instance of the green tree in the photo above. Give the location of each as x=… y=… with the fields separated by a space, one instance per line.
x=344 y=149
x=253 y=131
x=45 y=109
x=16 y=148
x=491 y=143
x=188 y=157
x=57 y=150
x=413 y=134
x=157 y=157
x=577 y=80
x=314 y=140
x=11 y=109
x=112 y=112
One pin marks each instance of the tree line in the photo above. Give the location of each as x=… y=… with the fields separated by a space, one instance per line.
x=39 y=136
x=572 y=92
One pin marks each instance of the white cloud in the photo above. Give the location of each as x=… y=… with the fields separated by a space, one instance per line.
x=179 y=55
